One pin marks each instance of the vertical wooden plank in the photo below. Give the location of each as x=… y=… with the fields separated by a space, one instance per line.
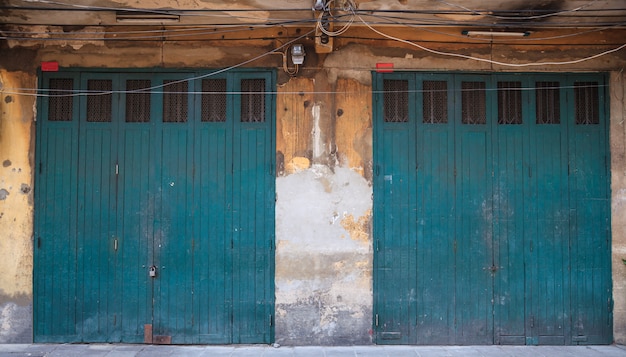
x=55 y=255
x=212 y=248
x=511 y=174
x=136 y=217
x=547 y=224
x=253 y=160
x=212 y=306
x=435 y=218
x=96 y=187
x=172 y=311
x=59 y=260
x=474 y=289
x=589 y=204
x=395 y=195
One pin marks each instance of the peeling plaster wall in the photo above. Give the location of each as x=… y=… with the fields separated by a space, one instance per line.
x=16 y=209
x=618 y=201
x=324 y=250
x=323 y=258
x=324 y=158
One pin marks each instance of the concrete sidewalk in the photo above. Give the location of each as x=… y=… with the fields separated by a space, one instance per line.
x=119 y=350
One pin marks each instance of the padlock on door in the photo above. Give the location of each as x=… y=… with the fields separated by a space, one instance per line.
x=152 y=271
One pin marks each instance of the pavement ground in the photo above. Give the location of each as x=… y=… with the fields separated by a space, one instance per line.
x=124 y=350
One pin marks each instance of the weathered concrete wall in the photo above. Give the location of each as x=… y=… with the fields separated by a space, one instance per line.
x=16 y=209
x=324 y=250
x=324 y=156
x=618 y=201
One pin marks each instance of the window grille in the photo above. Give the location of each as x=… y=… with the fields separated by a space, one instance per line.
x=253 y=100
x=213 y=100
x=509 y=103
x=175 y=103
x=473 y=103
x=396 y=101
x=99 y=100
x=138 y=101
x=586 y=103
x=61 y=100
x=548 y=103
x=435 y=102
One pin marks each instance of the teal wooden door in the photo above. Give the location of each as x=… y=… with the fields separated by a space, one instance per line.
x=57 y=150
x=149 y=177
x=473 y=190
x=482 y=198
x=394 y=250
x=511 y=213
x=253 y=209
x=590 y=243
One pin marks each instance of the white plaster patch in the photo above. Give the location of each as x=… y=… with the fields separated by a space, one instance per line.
x=316 y=133
x=14 y=323
x=323 y=278
x=619 y=250
x=311 y=202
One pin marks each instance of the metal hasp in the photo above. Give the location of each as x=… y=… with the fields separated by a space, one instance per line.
x=492 y=269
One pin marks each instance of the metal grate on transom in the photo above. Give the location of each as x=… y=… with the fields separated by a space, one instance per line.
x=138 y=101
x=395 y=101
x=586 y=103
x=548 y=103
x=253 y=100
x=473 y=103
x=61 y=100
x=509 y=103
x=435 y=102
x=214 y=100
x=175 y=103
x=99 y=100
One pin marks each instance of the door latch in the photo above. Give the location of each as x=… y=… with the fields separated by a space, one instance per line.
x=492 y=269
x=152 y=271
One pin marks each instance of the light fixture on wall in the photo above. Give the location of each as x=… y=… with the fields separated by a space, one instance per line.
x=297 y=53
x=471 y=33
x=319 y=5
x=145 y=16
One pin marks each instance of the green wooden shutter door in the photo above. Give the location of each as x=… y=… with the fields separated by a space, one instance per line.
x=253 y=209
x=503 y=237
x=395 y=177
x=436 y=223
x=212 y=255
x=589 y=207
x=152 y=183
x=55 y=236
x=474 y=289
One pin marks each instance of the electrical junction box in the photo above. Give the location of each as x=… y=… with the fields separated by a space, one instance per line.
x=324 y=42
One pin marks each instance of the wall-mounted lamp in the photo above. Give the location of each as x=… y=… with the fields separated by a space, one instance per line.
x=319 y=5
x=496 y=34
x=297 y=53
x=143 y=17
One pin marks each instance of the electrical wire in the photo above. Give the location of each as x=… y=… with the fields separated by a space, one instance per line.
x=158 y=34
x=85 y=93
x=354 y=15
x=212 y=12
x=226 y=69
x=341 y=31
x=526 y=39
x=536 y=17
x=434 y=21
x=458 y=55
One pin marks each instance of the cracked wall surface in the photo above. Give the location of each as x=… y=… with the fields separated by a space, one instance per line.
x=16 y=209
x=324 y=171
